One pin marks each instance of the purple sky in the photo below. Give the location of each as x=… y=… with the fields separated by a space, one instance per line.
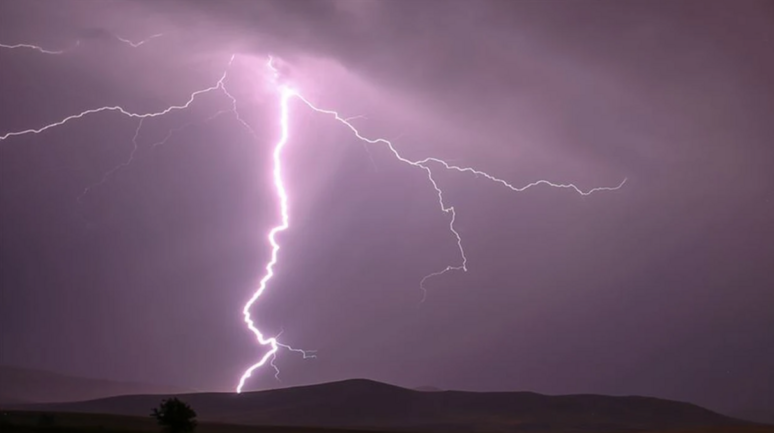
x=662 y=288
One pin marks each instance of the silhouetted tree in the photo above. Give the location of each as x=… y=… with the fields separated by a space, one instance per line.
x=175 y=416
x=5 y=419
x=46 y=420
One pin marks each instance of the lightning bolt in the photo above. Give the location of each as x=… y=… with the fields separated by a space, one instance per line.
x=219 y=85
x=124 y=164
x=38 y=48
x=119 y=109
x=142 y=42
x=286 y=94
x=424 y=164
x=279 y=185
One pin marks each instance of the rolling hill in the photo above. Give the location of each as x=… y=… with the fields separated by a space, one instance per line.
x=22 y=385
x=366 y=404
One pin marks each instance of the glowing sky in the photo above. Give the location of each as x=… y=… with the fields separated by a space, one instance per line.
x=662 y=289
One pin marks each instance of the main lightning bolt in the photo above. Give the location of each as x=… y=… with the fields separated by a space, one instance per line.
x=286 y=94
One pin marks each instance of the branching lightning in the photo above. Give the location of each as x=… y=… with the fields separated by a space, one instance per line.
x=424 y=165
x=119 y=109
x=286 y=94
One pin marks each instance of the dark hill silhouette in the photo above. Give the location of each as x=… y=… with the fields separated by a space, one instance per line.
x=22 y=385
x=427 y=388
x=374 y=405
x=762 y=412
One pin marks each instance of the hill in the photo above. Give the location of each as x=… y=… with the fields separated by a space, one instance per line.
x=428 y=389
x=22 y=385
x=762 y=413
x=372 y=405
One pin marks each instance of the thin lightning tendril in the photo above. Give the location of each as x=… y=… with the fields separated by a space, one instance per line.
x=124 y=164
x=285 y=95
x=42 y=50
x=424 y=164
x=117 y=108
x=142 y=42
x=174 y=131
x=38 y=48
x=31 y=47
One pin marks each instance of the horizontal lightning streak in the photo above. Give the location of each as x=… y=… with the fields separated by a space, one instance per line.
x=42 y=50
x=525 y=187
x=119 y=109
x=142 y=42
x=219 y=85
x=38 y=48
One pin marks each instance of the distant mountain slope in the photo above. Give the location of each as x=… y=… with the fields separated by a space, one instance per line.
x=19 y=385
x=367 y=404
x=427 y=388
x=760 y=413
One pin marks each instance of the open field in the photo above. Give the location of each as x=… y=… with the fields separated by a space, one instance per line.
x=28 y=422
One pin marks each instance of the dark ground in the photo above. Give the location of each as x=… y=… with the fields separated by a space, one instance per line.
x=28 y=422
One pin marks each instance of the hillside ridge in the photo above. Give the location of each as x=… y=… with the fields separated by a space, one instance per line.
x=367 y=404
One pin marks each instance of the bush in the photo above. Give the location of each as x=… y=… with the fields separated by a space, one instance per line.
x=175 y=416
x=46 y=420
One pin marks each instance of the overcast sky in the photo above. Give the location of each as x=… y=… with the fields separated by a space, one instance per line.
x=661 y=288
